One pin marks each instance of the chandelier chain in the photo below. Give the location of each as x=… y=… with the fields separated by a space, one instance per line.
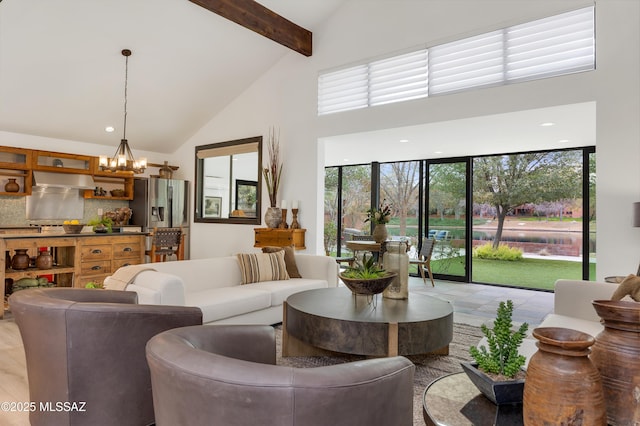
x=126 y=82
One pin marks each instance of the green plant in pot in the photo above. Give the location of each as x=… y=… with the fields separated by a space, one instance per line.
x=367 y=278
x=101 y=224
x=497 y=371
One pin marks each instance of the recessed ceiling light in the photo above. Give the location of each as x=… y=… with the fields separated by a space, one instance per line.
x=345 y=160
x=109 y=129
x=547 y=124
x=404 y=140
x=437 y=152
x=563 y=141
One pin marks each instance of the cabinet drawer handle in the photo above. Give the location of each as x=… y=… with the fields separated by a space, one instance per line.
x=96 y=268
x=96 y=251
x=127 y=249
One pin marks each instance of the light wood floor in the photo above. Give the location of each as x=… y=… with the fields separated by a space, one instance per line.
x=13 y=373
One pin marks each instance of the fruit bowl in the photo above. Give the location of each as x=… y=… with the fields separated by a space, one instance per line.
x=72 y=229
x=117 y=192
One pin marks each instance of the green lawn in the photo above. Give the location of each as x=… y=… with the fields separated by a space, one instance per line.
x=527 y=273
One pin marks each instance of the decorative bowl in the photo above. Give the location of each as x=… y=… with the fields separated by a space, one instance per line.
x=117 y=192
x=72 y=229
x=368 y=287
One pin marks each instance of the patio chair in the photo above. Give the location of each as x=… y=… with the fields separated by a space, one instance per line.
x=424 y=259
x=442 y=236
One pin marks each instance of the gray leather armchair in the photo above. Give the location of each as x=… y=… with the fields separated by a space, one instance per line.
x=225 y=375
x=87 y=347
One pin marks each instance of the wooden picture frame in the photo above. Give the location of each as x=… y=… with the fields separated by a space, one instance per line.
x=212 y=206
x=246 y=197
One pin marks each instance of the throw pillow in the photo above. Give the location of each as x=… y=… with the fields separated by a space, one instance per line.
x=256 y=267
x=289 y=259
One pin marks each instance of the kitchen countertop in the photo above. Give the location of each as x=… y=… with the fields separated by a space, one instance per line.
x=63 y=235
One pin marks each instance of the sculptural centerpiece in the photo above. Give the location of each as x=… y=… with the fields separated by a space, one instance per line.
x=367 y=278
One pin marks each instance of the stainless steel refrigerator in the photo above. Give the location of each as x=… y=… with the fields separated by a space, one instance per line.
x=159 y=203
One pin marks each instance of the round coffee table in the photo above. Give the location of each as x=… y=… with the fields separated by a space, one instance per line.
x=322 y=321
x=453 y=400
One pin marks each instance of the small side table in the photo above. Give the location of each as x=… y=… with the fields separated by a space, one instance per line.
x=453 y=400
x=280 y=237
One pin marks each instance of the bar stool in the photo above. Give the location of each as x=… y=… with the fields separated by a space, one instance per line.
x=166 y=242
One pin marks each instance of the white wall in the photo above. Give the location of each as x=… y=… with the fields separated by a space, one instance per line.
x=363 y=29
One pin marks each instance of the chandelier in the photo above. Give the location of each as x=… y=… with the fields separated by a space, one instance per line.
x=122 y=159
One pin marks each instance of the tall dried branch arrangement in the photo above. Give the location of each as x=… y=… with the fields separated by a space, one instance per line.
x=273 y=171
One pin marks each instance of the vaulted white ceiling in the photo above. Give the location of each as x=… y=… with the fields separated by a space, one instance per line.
x=62 y=72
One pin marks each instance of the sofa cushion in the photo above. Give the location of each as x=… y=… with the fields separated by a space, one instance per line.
x=280 y=290
x=256 y=267
x=289 y=259
x=590 y=327
x=203 y=274
x=225 y=302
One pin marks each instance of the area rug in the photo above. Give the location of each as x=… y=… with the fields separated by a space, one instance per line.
x=428 y=367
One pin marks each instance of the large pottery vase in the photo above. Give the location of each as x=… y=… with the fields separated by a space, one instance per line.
x=395 y=259
x=20 y=260
x=616 y=354
x=562 y=385
x=273 y=217
x=380 y=233
x=44 y=260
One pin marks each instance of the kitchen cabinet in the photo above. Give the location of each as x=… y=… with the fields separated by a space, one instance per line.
x=109 y=183
x=100 y=257
x=60 y=162
x=19 y=163
x=78 y=258
x=15 y=163
x=280 y=237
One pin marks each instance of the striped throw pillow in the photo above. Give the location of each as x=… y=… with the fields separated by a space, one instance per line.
x=257 y=267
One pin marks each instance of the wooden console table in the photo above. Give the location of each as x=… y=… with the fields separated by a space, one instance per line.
x=280 y=237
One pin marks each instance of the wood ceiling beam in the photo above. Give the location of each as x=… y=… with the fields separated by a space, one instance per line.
x=254 y=16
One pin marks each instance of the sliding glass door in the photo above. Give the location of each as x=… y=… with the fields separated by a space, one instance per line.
x=446 y=206
x=518 y=219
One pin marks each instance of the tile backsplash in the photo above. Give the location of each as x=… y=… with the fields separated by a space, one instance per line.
x=13 y=210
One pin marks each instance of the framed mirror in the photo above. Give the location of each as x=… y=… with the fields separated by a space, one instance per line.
x=228 y=182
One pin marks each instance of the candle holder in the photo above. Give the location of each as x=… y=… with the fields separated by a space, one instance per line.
x=283 y=224
x=294 y=220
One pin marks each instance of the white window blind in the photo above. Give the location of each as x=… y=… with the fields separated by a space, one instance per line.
x=399 y=78
x=471 y=62
x=556 y=45
x=343 y=90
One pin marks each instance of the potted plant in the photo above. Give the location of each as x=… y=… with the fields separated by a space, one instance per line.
x=379 y=217
x=367 y=278
x=272 y=173
x=497 y=371
x=101 y=225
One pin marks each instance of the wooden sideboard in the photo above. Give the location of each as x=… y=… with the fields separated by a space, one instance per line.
x=280 y=237
x=78 y=258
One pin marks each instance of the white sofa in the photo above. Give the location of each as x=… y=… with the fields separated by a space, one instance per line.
x=573 y=308
x=214 y=285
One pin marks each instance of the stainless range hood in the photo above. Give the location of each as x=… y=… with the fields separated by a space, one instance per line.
x=62 y=180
